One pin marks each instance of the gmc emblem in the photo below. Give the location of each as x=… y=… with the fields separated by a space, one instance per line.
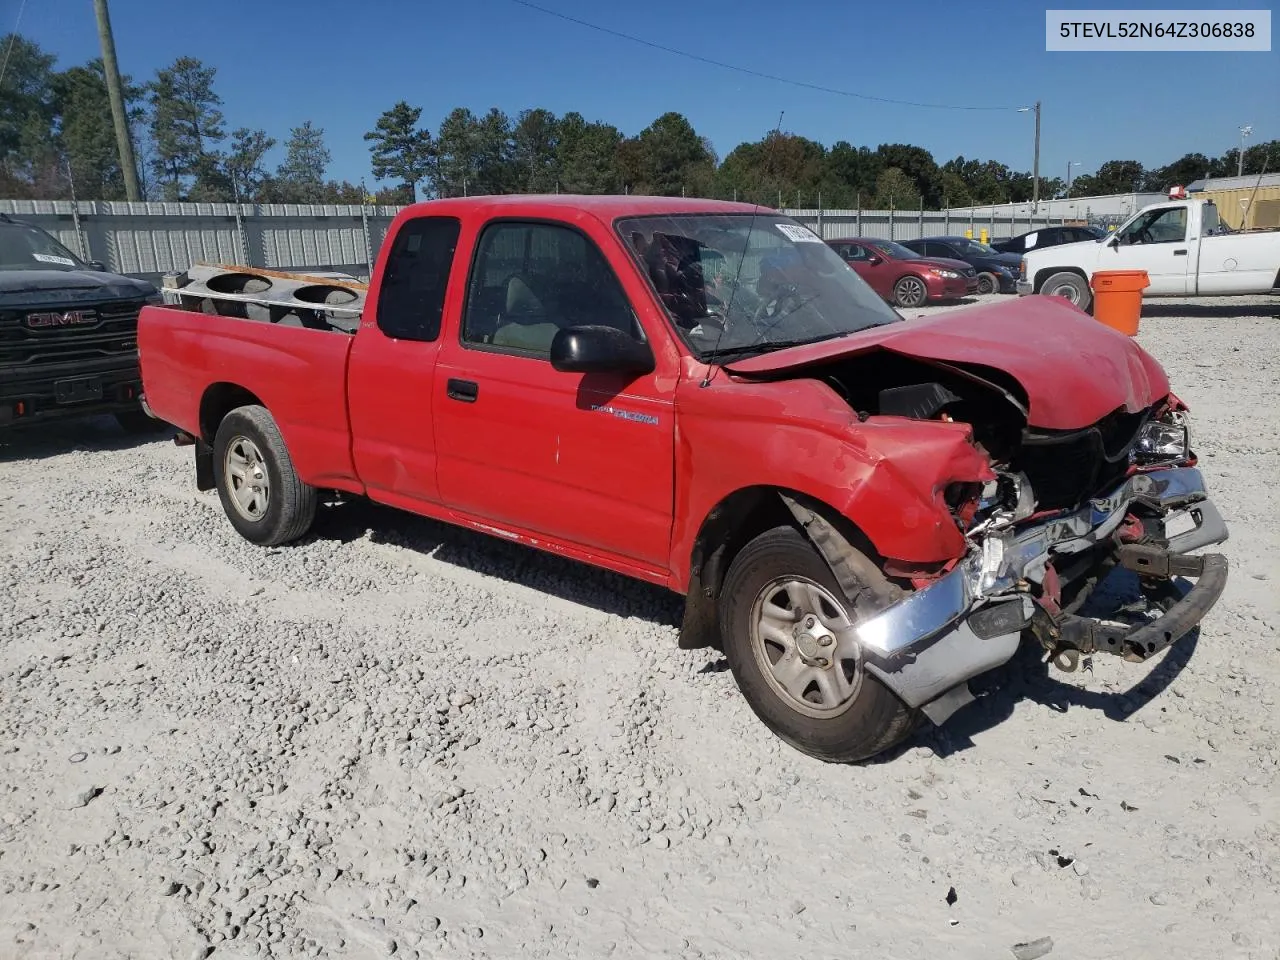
x=71 y=318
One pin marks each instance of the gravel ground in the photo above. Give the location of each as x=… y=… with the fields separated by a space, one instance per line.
x=398 y=738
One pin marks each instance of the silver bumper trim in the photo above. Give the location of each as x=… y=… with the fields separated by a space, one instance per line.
x=922 y=647
x=1023 y=288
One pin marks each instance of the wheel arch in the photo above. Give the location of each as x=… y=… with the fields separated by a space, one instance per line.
x=216 y=402
x=738 y=518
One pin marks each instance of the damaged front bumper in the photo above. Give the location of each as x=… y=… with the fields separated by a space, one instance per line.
x=929 y=645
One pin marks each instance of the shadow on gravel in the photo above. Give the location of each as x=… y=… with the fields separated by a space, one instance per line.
x=517 y=564
x=1210 y=311
x=1027 y=677
x=39 y=440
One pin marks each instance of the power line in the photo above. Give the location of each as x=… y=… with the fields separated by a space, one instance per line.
x=12 y=37
x=747 y=70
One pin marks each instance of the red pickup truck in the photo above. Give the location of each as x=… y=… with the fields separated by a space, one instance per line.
x=863 y=511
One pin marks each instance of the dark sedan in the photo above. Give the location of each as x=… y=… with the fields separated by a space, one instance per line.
x=1047 y=237
x=997 y=272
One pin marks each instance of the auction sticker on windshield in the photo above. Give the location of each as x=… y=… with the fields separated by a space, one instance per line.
x=798 y=234
x=49 y=258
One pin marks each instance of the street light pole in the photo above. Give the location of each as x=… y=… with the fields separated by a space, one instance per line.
x=1070 y=164
x=1244 y=132
x=1035 y=163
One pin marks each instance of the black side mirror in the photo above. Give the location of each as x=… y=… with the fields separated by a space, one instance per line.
x=598 y=349
x=97 y=265
x=873 y=259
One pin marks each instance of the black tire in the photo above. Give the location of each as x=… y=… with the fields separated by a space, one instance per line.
x=287 y=506
x=910 y=291
x=137 y=423
x=1070 y=286
x=988 y=283
x=873 y=720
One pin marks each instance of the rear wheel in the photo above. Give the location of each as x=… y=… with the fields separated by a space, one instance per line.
x=1070 y=286
x=260 y=491
x=783 y=620
x=910 y=291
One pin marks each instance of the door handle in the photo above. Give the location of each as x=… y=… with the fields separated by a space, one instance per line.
x=1179 y=253
x=464 y=390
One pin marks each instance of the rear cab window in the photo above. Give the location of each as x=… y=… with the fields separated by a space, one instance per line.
x=415 y=279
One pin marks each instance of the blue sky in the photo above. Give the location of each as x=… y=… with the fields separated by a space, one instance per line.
x=340 y=64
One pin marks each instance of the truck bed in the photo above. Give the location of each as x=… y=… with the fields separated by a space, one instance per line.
x=191 y=360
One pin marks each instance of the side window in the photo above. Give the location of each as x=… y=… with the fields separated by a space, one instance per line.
x=1159 y=226
x=411 y=298
x=1210 y=220
x=530 y=280
x=857 y=253
x=935 y=249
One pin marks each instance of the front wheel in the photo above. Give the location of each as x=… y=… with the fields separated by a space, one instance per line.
x=261 y=493
x=988 y=283
x=1070 y=286
x=783 y=620
x=910 y=292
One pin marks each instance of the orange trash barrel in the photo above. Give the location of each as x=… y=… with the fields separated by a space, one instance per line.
x=1117 y=298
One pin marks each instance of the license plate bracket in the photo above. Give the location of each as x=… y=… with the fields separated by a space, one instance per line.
x=77 y=389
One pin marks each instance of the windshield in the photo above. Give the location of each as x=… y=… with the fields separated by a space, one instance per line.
x=23 y=247
x=972 y=248
x=737 y=284
x=894 y=251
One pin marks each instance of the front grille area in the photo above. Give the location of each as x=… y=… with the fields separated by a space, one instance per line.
x=1068 y=468
x=113 y=334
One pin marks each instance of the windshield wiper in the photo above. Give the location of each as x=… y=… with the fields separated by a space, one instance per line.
x=768 y=346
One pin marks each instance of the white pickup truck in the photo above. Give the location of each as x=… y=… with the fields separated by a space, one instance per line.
x=1182 y=245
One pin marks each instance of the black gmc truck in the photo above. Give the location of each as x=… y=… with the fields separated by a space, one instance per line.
x=68 y=334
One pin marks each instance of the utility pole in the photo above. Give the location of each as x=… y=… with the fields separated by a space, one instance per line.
x=115 y=94
x=1244 y=132
x=1035 y=163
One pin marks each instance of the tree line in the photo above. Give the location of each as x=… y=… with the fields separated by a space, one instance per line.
x=56 y=135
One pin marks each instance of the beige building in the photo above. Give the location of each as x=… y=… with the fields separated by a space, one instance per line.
x=1249 y=203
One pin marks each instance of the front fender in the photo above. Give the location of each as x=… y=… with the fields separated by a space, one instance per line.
x=886 y=475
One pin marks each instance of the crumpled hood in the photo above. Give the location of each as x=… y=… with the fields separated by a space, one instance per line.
x=1073 y=370
x=21 y=288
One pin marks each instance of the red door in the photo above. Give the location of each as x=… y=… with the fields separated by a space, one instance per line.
x=392 y=366
x=872 y=267
x=585 y=459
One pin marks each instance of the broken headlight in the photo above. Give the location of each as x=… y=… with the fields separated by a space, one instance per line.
x=997 y=503
x=1163 y=440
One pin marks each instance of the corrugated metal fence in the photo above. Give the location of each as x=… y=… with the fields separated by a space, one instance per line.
x=913 y=224
x=149 y=239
